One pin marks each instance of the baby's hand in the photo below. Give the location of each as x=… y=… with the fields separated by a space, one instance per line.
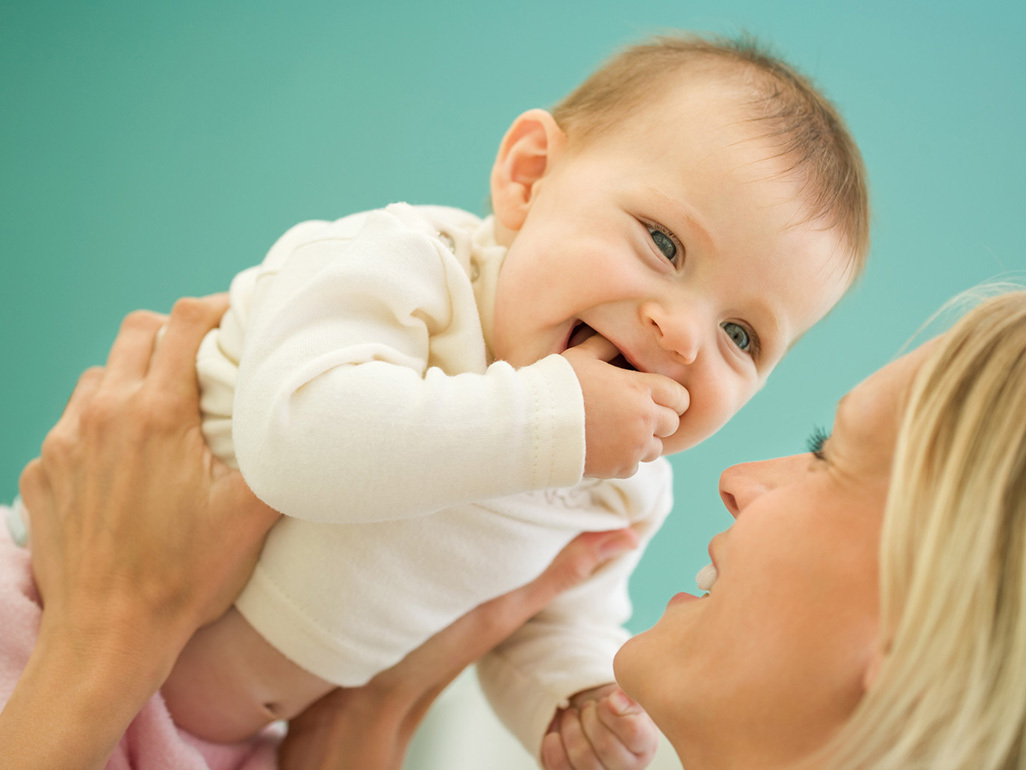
x=602 y=728
x=626 y=413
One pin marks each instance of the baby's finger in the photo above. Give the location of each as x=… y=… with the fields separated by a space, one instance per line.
x=596 y=346
x=669 y=393
x=630 y=723
x=174 y=361
x=666 y=422
x=653 y=451
x=608 y=748
x=578 y=749
x=129 y=356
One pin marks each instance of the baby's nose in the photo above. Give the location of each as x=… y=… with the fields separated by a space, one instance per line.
x=675 y=330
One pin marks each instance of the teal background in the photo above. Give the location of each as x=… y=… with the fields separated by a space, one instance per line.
x=151 y=150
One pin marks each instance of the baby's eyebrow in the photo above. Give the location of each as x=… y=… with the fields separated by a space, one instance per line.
x=682 y=213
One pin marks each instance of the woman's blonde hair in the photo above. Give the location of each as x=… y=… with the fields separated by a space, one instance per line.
x=951 y=691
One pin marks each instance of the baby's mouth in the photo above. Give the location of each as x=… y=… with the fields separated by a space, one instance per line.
x=623 y=363
x=579 y=334
x=582 y=331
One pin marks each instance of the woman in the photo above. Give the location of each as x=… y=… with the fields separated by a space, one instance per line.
x=870 y=604
x=868 y=610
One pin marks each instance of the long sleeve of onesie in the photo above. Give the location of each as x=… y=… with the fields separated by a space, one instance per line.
x=569 y=646
x=352 y=383
x=364 y=377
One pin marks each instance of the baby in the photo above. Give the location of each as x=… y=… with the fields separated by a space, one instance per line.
x=439 y=403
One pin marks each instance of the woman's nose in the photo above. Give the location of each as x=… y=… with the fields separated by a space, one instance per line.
x=676 y=331
x=741 y=484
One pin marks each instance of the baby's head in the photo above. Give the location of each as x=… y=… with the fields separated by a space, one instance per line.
x=698 y=204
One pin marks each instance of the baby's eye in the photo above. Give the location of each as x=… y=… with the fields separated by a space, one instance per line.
x=738 y=335
x=663 y=242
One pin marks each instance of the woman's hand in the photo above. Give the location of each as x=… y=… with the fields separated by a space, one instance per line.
x=370 y=727
x=138 y=536
x=129 y=511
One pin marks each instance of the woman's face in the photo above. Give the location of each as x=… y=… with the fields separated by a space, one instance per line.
x=765 y=667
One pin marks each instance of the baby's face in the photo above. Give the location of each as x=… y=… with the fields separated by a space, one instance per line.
x=676 y=239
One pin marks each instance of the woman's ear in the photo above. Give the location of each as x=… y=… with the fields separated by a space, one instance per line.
x=525 y=156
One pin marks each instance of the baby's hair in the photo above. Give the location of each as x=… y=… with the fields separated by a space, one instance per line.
x=804 y=126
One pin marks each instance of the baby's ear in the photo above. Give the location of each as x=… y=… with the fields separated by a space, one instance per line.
x=526 y=154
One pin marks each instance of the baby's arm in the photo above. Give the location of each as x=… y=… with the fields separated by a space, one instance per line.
x=547 y=681
x=563 y=656
x=339 y=397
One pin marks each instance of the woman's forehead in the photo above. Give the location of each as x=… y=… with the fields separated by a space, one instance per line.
x=869 y=415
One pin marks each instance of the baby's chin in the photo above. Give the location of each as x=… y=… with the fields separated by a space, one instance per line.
x=683 y=439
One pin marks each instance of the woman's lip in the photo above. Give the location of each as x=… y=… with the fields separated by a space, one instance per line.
x=681 y=598
x=714 y=545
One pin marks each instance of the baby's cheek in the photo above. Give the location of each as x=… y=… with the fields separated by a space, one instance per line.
x=694 y=428
x=710 y=410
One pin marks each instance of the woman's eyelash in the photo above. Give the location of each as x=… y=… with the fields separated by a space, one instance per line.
x=814 y=443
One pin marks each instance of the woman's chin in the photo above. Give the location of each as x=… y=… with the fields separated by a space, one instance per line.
x=632 y=664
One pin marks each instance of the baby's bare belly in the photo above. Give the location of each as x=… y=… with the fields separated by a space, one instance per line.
x=228 y=683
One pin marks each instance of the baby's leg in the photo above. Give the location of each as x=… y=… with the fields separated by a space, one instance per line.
x=228 y=683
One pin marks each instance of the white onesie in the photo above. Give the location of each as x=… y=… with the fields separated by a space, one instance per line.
x=353 y=384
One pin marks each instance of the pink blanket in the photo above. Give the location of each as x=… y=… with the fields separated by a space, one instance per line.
x=152 y=741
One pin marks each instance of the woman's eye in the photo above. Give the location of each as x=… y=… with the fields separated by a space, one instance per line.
x=738 y=334
x=663 y=242
x=814 y=443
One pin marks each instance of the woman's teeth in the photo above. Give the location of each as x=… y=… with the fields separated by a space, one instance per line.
x=706 y=578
